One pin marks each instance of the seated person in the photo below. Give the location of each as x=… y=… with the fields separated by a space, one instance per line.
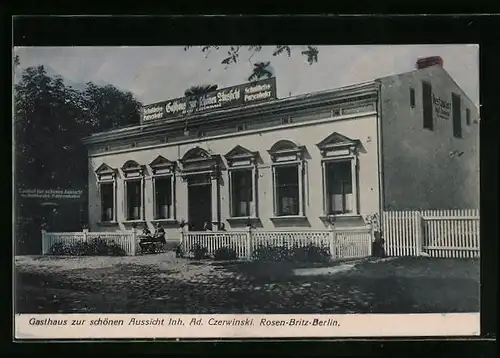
x=145 y=239
x=160 y=234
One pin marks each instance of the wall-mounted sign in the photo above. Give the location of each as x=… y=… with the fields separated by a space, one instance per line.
x=241 y=95
x=52 y=194
x=442 y=107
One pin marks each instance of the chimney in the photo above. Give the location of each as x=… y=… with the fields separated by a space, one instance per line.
x=429 y=61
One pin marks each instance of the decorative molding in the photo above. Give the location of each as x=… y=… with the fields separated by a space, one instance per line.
x=197 y=161
x=285 y=150
x=132 y=169
x=241 y=156
x=105 y=173
x=161 y=165
x=337 y=144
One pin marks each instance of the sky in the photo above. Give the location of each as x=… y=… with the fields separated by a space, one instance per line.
x=155 y=74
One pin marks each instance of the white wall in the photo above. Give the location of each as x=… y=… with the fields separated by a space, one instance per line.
x=307 y=134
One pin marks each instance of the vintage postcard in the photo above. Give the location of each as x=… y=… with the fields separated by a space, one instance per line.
x=246 y=191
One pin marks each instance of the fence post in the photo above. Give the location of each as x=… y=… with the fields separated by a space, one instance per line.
x=419 y=233
x=44 y=242
x=249 y=243
x=371 y=239
x=134 y=240
x=333 y=242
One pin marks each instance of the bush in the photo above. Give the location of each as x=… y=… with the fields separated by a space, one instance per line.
x=198 y=251
x=178 y=251
x=97 y=247
x=310 y=253
x=225 y=253
x=271 y=253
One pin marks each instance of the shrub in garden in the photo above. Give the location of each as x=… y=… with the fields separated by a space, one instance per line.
x=97 y=247
x=199 y=252
x=178 y=251
x=225 y=253
x=271 y=253
x=59 y=248
x=311 y=253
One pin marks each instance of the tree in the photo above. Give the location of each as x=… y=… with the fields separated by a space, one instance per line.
x=260 y=70
x=107 y=107
x=233 y=52
x=199 y=90
x=50 y=119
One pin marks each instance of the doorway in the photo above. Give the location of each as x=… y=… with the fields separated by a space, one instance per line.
x=199 y=201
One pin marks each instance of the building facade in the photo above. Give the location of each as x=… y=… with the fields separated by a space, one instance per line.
x=296 y=163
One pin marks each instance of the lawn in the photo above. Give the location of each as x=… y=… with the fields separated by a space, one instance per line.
x=165 y=284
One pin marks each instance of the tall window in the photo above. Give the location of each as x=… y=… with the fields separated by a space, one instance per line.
x=427 y=105
x=412 y=97
x=457 y=117
x=287 y=190
x=133 y=175
x=163 y=181
x=339 y=188
x=134 y=199
x=106 y=180
x=242 y=171
x=241 y=192
x=163 y=198
x=467 y=116
x=107 y=202
x=288 y=178
x=340 y=174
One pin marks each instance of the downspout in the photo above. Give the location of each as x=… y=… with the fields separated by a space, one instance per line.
x=380 y=158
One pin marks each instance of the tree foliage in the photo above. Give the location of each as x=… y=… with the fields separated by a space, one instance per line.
x=233 y=56
x=50 y=119
x=200 y=89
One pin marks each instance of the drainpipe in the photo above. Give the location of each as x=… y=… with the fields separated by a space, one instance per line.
x=380 y=159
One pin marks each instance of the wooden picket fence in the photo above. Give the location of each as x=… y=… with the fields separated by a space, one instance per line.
x=436 y=233
x=345 y=243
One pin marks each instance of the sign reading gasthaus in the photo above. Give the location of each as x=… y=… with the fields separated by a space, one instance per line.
x=230 y=97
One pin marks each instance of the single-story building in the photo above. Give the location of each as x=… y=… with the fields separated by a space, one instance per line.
x=240 y=155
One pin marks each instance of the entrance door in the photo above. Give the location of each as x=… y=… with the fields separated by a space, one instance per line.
x=199 y=201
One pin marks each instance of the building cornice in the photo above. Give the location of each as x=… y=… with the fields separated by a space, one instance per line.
x=276 y=107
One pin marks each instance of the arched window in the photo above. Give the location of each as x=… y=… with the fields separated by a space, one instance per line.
x=242 y=171
x=133 y=181
x=340 y=174
x=163 y=181
x=106 y=182
x=288 y=179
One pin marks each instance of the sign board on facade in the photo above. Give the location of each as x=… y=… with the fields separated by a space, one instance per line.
x=442 y=107
x=241 y=95
x=52 y=194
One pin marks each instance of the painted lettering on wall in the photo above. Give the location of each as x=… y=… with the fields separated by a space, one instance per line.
x=442 y=107
x=58 y=194
x=240 y=95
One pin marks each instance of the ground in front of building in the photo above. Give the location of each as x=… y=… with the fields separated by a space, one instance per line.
x=165 y=284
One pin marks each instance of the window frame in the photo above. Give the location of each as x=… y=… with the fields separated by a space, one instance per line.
x=106 y=176
x=334 y=149
x=353 y=164
x=286 y=153
x=242 y=159
x=456 y=116
x=413 y=101
x=162 y=168
x=429 y=125
x=132 y=171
